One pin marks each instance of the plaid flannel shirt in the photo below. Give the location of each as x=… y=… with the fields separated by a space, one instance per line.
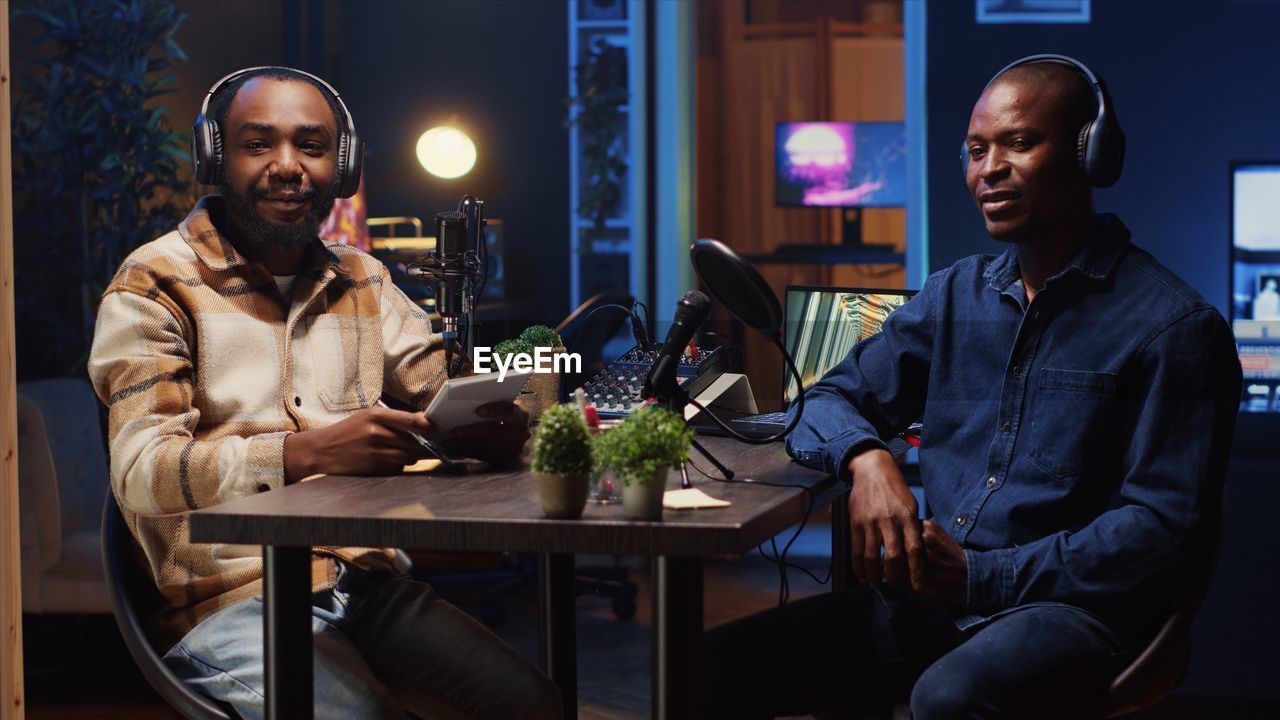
x=206 y=366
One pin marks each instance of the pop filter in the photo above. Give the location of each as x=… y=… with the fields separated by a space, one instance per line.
x=738 y=286
x=729 y=278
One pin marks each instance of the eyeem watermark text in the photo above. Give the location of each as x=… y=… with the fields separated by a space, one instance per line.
x=543 y=360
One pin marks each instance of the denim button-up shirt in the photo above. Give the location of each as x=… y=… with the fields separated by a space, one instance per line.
x=1074 y=445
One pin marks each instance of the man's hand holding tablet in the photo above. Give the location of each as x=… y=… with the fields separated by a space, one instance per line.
x=503 y=429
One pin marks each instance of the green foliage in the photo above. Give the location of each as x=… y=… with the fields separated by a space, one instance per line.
x=541 y=336
x=597 y=111
x=644 y=443
x=507 y=348
x=95 y=164
x=562 y=443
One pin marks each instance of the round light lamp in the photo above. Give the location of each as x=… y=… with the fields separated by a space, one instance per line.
x=446 y=152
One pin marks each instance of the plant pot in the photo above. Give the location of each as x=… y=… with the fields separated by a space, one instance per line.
x=643 y=500
x=530 y=403
x=562 y=497
x=547 y=387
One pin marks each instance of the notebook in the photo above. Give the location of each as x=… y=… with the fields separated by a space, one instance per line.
x=822 y=324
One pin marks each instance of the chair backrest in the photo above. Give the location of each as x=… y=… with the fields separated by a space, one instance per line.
x=1158 y=669
x=69 y=410
x=133 y=599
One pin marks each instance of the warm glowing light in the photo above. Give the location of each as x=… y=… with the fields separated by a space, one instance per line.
x=817 y=145
x=446 y=152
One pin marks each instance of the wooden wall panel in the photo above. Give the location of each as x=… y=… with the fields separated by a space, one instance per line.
x=12 y=700
x=869 y=83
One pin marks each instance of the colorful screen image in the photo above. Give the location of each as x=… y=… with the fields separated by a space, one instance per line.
x=841 y=164
x=823 y=325
x=1255 y=281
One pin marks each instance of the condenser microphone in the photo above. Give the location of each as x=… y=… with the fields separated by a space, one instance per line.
x=451 y=270
x=691 y=310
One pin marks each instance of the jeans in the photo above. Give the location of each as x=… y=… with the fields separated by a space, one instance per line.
x=383 y=645
x=865 y=649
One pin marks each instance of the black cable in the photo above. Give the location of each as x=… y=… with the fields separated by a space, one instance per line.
x=791 y=424
x=587 y=319
x=779 y=559
x=648 y=328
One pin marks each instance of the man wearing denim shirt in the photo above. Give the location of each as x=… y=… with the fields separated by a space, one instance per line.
x=1078 y=401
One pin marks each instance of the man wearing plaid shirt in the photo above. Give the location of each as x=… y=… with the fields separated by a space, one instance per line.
x=238 y=354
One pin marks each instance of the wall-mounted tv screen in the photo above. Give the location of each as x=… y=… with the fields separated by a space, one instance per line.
x=840 y=164
x=1255 y=281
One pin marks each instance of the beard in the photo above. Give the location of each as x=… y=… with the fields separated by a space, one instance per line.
x=251 y=226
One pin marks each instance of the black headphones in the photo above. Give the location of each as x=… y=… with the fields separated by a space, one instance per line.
x=1100 y=144
x=206 y=138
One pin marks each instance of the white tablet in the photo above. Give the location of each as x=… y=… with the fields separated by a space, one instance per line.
x=455 y=405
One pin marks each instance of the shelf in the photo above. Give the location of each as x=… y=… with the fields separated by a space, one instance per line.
x=829 y=255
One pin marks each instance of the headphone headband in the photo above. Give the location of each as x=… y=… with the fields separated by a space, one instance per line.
x=206 y=136
x=204 y=107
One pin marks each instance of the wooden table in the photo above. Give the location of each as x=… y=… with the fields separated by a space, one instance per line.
x=499 y=511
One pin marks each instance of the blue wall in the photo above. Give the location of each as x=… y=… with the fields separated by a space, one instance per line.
x=497 y=69
x=1195 y=85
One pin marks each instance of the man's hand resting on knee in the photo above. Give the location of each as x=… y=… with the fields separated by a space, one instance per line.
x=884 y=514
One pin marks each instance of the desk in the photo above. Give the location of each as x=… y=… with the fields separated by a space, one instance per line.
x=499 y=512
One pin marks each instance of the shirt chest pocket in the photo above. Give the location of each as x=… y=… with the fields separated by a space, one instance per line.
x=1072 y=419
x=346 y=361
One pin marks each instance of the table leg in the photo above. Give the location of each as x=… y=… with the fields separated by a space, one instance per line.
x=558 y=633
x=286 y=621
x=841 y=570
x=677 y=638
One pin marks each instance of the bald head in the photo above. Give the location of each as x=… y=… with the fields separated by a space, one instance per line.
x=1063 y=90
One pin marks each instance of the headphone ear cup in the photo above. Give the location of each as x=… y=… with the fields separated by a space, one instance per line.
x=206 y=151
x=350 y=165
x=215 y=167
x=1082 y=151
x=1106 y=148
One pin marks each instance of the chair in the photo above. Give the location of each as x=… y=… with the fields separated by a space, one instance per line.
x=133 y=599
x=1158 y=669
x=62 y=476
x=587 y=334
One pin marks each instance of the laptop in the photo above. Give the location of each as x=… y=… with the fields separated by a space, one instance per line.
x=822 y=324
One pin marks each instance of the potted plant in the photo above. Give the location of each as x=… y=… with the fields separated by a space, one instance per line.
x=640 y=451
x=545 y=385
x=97 y=167
x=562 y=461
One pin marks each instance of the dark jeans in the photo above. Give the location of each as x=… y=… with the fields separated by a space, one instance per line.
x=864 y=650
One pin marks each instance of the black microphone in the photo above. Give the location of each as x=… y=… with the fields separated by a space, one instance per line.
x=691 y=310
x=450 y=269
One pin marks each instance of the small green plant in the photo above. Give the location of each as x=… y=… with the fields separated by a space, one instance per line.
x=562 y=444
x=644 y=443
x=515 y=346
x=541 y=336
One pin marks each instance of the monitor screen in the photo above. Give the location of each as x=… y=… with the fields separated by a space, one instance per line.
x=840 y=164
x=824 y=323
x=1255 y=281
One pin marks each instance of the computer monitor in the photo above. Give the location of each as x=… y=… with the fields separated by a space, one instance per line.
x=1255 y=281
x=840 y=164
x=824 y=323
